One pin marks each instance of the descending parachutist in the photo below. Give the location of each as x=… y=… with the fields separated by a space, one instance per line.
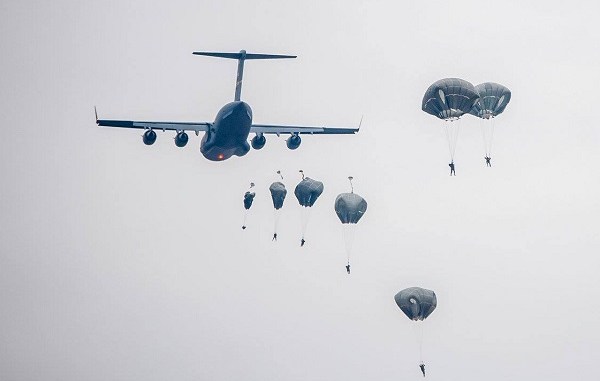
x=307 y=192
x=417 y=304
x=248 y=199
x=493 y=99
x=452 y=171
x=349 y=207
x=278 y=193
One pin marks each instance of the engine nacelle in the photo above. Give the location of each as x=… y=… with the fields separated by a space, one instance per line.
x=181 y=139
x=149 y=137
x=293 y=141
x=258 y=141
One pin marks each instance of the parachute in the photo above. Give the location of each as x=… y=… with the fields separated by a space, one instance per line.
x=349 y=207
x=278 y=193
x=448 y=99
x=248 y=199
x=417 y=304
x=493 y=99
x=307 y=192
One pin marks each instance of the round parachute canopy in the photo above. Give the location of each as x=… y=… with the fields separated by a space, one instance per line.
x=278 y=193
x=308 y=191
x=350 y=207
x=449 y=98
x=248 y=199
x=493 y=99
x=416 y=303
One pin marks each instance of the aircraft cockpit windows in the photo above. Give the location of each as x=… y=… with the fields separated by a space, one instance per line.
x=229 y=113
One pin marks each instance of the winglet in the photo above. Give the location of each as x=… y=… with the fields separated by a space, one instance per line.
x=96 y=113
x=360 y=123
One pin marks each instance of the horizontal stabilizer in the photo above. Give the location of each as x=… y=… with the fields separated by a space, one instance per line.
x=243 y=55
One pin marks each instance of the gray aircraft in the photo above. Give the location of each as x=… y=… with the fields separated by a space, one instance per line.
x=228 y=134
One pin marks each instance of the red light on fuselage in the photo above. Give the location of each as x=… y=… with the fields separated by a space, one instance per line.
x=220 y=156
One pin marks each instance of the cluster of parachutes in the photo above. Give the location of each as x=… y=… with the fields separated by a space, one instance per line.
x=450 y=98
x=349 y=207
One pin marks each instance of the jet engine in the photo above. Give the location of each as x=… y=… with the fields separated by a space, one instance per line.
x=258 y=141
x=149 y=137
x=293 y=141
x=181 y=139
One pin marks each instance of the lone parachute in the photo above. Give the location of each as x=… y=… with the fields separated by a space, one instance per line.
x=349 y=207
x=307 y=192
x=417 y=304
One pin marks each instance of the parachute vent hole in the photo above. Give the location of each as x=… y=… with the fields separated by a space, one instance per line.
x=413 y=301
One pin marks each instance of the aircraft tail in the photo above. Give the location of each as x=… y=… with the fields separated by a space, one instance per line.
x=241 y=57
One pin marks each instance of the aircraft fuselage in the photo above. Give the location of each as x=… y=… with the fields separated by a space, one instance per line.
x=228 y=135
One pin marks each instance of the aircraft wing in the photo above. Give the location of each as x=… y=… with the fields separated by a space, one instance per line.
x=274 y=129
x=172 y=126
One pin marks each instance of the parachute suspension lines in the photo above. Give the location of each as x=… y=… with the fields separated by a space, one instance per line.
x=276 y=217
x=349 y=232
x=487 y=132
x=245 y=218
x=421 y=329
x=305 y=217
x=451 y=130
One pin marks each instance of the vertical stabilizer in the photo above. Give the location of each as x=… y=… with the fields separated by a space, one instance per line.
x=241 y=57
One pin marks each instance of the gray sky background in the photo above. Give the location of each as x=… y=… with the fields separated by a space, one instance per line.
x=120 y=261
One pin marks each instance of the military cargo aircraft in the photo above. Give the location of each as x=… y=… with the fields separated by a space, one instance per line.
x=228 y=134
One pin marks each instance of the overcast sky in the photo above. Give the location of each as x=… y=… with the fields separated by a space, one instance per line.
x=120 y=261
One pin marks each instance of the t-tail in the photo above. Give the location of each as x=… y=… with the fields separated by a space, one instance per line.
x=241 y=57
